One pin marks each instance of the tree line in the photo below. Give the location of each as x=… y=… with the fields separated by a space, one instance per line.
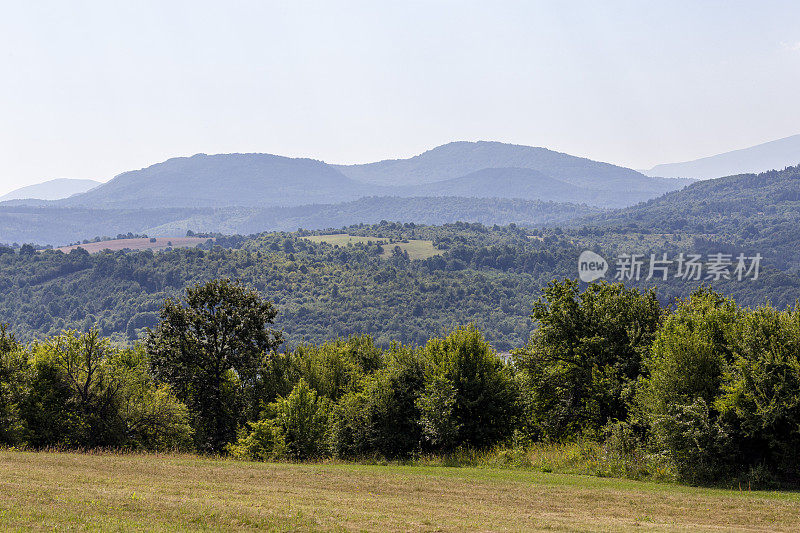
x=486 y=275
x=709 y=387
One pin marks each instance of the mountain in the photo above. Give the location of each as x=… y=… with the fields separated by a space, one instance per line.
x=224 y=180
x=524 y=183
x=235 y=193
x=458 y=159
x=768 y=156
x=60 y=225
x=482 y=169
x=51 y=190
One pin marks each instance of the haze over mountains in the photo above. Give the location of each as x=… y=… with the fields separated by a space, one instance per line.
x=461 y=158
x=479 y=169
x=260 y=192
x=774 y=155
x=51 y=190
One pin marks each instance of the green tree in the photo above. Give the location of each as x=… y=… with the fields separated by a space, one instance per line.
x=584 y=359
x=685 y=373
x=74 y=392
x=210 y=348
x=381 y=418
x=153 y=417
x=14 y=371
x=761 y=390
x=485 y=396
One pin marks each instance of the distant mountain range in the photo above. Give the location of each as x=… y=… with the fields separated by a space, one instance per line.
x=468 y=169
x=225 y=180
x=774 y=155
x=231 y=192
x=461 y=158
x=51 y=190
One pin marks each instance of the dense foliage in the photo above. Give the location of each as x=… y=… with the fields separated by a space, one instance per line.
x=710 y=387
x=487 y=275
x=758 y=212
x=210 y=347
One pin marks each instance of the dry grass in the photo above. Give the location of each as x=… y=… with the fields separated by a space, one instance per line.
x=161 y=243
x=343 y=239
x=46 y=491
x=416 y=248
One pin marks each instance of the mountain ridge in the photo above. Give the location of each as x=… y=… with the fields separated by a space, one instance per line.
x=459 y=158
x=227 y=180
x=772 y=155
x=54 y=189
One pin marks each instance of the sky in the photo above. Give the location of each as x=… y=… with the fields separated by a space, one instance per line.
x=91 y=89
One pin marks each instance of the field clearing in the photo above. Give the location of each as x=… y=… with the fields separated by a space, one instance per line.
x=161 y=243
x=47 y=491
x=416 y=248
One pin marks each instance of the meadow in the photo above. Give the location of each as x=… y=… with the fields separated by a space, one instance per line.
x=416 y=248
x=131 y=492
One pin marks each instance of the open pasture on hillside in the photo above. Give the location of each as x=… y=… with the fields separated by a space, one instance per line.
x=55 y=491
x=416 y=248
x=153 y=243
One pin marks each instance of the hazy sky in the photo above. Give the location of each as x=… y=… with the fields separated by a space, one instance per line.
x=91 y=89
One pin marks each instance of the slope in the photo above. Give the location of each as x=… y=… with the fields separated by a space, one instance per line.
x=767 y=156
x=221 y=181
x=458 y=159
x=51 y=190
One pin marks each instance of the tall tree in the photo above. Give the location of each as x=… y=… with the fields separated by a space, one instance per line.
x=210 y=347
x=584 y=358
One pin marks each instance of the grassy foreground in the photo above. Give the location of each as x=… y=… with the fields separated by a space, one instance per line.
x=47 y=491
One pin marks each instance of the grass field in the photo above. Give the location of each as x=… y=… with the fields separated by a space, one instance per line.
x=57 y=491
x=417 y=249
x=160 y=243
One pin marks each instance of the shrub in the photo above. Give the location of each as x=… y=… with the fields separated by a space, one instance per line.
x=263 y=442
x=690 y=357
x=485 y=394
x=302 y=419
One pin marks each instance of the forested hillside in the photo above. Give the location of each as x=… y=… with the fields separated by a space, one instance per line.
x=59 y=226
x=486 y=275
x=759 y=212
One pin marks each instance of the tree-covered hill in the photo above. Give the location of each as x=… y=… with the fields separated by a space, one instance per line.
x=490 y=276
x=60 y=226
x=223 y=180
x=758 y=212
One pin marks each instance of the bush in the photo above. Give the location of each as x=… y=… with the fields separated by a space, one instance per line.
x=302 y=419
x=13 y=387
x=436 y=404
x=263 y=442
x=694 y=440
x=685 y=371
x=485 y=403
x=152 y=416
